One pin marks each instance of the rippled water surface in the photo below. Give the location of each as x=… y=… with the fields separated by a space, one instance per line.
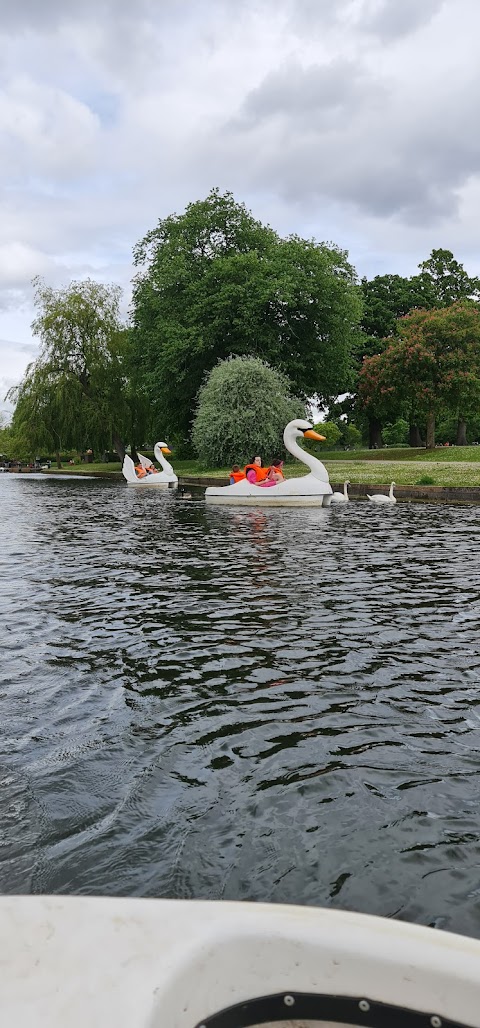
x=207 y=702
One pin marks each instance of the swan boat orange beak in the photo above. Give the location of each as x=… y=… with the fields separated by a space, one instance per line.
x=165 y=450
x=310 y=434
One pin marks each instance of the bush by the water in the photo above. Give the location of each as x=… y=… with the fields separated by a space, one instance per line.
x=242 y=410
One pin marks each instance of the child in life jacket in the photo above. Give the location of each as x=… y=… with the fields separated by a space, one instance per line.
x=236 y=475
x=274 y=474
x=275 y=471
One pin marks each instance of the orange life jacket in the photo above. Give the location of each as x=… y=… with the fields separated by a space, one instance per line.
x=237 y=476
x=261 y=473
x=276 y=471
x=140 y=471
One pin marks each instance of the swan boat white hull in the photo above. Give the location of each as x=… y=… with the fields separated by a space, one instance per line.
x=306 y=491
x=122 y=963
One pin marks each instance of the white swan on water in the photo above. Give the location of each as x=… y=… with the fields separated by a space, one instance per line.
x=381 y=498
x=341 y=497
x=313 y=490
x=164 y=478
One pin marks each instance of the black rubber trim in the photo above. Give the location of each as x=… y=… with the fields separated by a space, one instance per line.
x=308 y=1006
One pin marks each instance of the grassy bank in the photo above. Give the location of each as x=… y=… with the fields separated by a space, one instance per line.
x=407 y=473
x=453 y=466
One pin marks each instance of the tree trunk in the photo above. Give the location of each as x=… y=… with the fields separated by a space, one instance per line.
x=461 y=439
x=431 y=432
x=375 y=441
x=59 y=463
x=119 y=446
x=414 y=436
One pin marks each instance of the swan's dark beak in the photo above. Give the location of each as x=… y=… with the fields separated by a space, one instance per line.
x=165 y=449
x=310 y=434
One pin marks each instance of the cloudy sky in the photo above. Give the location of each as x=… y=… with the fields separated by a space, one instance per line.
x=347 y=120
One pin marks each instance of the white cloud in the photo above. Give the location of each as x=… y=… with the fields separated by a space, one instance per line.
x=352 y=121
x=47 y=130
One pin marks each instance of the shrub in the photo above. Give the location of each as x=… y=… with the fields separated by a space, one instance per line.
x=425 y=480
x=242 y=410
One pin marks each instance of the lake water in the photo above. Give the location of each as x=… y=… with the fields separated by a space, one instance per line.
x=207 y=702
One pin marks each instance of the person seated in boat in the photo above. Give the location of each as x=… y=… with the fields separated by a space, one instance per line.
x=275 y=471
x=236 y=475
x=274 y=475
x=254 y=472
x=151 y=470
x=140 y=471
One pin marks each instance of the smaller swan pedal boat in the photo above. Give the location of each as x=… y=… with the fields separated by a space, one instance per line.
x=133 y=963
x=160 y=479
x=313 y=490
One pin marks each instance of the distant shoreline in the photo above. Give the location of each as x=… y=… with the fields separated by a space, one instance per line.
x=424 y=493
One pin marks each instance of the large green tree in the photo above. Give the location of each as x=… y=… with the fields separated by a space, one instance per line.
x=444 y=281
x=78 y=392
x=213 y=281
x=387 y=298
x=440 y=282
x=242 y=410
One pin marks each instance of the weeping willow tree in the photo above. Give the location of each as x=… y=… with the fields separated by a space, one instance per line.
x=242 y=410
x=78 y=393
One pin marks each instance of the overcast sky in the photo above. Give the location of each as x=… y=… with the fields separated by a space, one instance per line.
x=348 y=120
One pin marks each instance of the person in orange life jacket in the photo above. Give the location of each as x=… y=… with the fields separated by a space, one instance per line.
x=275 y=471
x=274 y=474
x=254 y=471
x=236 y=475
x=140 y=471
x=151 y=470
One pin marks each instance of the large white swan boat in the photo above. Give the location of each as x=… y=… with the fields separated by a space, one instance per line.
x=312 y=490
x=160 y=479
x=132 y=963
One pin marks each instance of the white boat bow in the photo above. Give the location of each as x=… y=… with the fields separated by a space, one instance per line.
x=131 y=963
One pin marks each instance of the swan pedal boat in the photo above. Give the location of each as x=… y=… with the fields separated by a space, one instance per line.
x=148 y=963
x=313 y=490
x=162 y=479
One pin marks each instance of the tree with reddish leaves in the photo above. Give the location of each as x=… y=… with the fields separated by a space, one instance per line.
x=432 y=365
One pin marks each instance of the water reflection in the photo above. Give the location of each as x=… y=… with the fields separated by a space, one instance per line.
x=240 y=704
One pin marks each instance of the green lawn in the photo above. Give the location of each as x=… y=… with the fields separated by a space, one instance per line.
x=455 y=466
x=408 y=473
x=440 y=453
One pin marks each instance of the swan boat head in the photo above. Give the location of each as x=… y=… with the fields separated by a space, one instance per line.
x=298 y=429
x=162 y=451
x=164 y=448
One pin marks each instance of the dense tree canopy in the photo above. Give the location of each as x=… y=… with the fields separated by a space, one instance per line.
x=214 y=281
x=242 y=410
x=444 y=281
